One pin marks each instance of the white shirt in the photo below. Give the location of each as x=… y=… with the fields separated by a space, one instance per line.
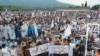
x=24 y=29
x=11 y=33
x=5 y=31
x=72 y=45
x=13 y=52
x=90 y=32
x=5 y=51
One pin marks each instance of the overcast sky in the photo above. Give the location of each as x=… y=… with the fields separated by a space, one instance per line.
x=79 y=2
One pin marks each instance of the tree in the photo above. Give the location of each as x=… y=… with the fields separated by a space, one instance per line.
x=77 y=6
x=70 y=7
x=96 y=7
x=86 y=4
x=1 y=8
x=14 y=9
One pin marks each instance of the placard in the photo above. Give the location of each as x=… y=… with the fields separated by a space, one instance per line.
x=82 y=29
x=59 y=49
x=94 y=27
x=39 y=49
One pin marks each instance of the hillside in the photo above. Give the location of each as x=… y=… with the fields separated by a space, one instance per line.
x=34 y=3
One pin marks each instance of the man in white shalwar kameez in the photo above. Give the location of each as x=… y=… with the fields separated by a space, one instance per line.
x=11 y=31
x=5 y=51
x=5 y=31
x=24 y=29
x=72 y=46
x=13 y=51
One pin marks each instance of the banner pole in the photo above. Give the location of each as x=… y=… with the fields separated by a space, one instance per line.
x=86 y=41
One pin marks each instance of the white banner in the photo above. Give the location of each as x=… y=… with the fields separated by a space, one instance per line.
x=39 y=49
x=58 y=49
x=94 y=27
x=67 y=32
x=54 y=49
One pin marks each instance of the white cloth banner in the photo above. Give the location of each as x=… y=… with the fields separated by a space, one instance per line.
x=39 y=49
x=67 y=31
x=58 y=49
x=53 y=49
x=94 y=27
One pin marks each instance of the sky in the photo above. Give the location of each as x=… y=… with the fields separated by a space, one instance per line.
x=79 y=2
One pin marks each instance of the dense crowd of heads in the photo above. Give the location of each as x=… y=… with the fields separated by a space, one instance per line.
x=18 y=29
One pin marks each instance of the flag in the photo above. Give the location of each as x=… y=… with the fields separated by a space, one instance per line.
x=67 y=31
x=36 y=29
x=33 y=14
x=52 y=24
x=63 y=14
x=49 y=13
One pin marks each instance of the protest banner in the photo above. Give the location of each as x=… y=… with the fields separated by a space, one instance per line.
x=95 y=27
x=58 y=49
x=53 y=49
x=39 y=49
x=43 y=48
x=82 y=29
x=33 y=51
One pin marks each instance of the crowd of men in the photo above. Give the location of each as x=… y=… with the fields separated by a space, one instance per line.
x=20 y=31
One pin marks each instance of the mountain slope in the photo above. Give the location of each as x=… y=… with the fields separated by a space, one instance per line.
x=34 y=3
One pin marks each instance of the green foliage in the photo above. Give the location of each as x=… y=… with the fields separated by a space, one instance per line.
x=70 y=7
x=96 y=7
x=1 y=8
x=77 y=6
x=14 y=9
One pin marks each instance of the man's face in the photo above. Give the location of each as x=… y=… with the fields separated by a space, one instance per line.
x=3 y=39
x=17 y=38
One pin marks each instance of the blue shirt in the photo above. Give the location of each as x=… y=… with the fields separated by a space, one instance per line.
x=77 y=42
x=3 y=42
